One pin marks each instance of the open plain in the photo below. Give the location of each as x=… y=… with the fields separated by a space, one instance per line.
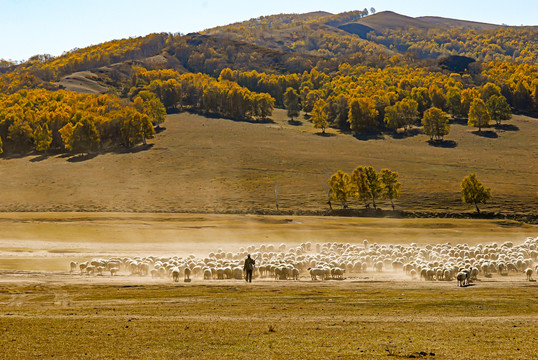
x=48 y=312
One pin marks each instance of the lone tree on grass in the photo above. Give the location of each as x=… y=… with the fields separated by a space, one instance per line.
x=391 y=188
x=435 y=122
x=341 y=187
x=291 y=102
x=319 y=115
x=478 y=114
x=473 y=192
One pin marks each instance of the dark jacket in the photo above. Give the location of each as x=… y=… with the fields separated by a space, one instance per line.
x=249 y=264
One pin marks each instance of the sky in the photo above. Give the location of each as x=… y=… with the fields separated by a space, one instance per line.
x=31 y=27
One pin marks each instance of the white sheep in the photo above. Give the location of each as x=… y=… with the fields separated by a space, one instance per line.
x=73 y=266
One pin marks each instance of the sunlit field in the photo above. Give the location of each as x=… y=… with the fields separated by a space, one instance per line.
x=49 y=312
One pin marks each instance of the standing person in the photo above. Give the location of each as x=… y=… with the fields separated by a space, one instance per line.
x=249 y=268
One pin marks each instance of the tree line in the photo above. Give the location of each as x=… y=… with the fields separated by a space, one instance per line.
x=43 y=120
x=366 y=185
x=203 y=93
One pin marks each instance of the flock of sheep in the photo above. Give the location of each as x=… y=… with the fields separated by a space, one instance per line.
x=331 y=260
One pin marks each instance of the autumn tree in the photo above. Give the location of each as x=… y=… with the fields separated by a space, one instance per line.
x=135 y=127
x=147 y=103
x=489 y=90
x=42 y=138
x=421 y=96
x=467 y=97
x=498 y=108
x=522 y=96
x=390 y=186
x=1 y=146
x=20 y=133
x=341 y=187
x=402 y=114
x=319 y=115
x=81 y=138
x=453 y=99
x=478 y=114
x=435 y=122
x=473 y=192
x=362 y=114
x=367 y=184
x=437 y=97
x=291 y=102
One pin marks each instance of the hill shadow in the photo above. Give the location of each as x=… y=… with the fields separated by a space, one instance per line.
x=406 y=134
x=448 y=144
x=368 y=136
x=507 y=127
x=324 y=134
x=81 y=157
x=295 y=122
x=486 y=133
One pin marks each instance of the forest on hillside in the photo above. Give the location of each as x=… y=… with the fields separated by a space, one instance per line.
x=383 y=80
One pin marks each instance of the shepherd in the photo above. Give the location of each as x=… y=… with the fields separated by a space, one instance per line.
x=249 y=268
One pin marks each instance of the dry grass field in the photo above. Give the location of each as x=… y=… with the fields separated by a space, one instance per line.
x=57 y=209
x=201 y=164
x=66 y=317
x=48 y=313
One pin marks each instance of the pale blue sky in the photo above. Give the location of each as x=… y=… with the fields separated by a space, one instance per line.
x=30 y=27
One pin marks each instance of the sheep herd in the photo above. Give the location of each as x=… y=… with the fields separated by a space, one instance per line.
x=331 y=260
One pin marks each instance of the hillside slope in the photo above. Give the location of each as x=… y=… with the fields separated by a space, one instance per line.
x=210 y=164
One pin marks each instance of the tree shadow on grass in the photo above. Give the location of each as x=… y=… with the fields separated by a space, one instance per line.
x=486 y=133
x=81 y=157
x=40 y=158
x=507 y=127
x=406 y=134
x=133 y=150
x=368 y=136
x=458 y=121
x=322 y=134
x=447 y=144
x=295 y=122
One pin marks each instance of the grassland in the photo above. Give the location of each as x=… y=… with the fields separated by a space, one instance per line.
x=46 y=312
x=45 y=318
x=201 y=164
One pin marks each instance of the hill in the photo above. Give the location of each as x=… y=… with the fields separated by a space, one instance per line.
x=201 y=164
x=385 y=20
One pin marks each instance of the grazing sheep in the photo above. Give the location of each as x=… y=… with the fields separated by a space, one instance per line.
x=314 y=273
x=73 y=266
x=83 y=267
x=461 y=277
x=528 y=272
x=187 y=274
x=175 y=274
x=114 y=271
